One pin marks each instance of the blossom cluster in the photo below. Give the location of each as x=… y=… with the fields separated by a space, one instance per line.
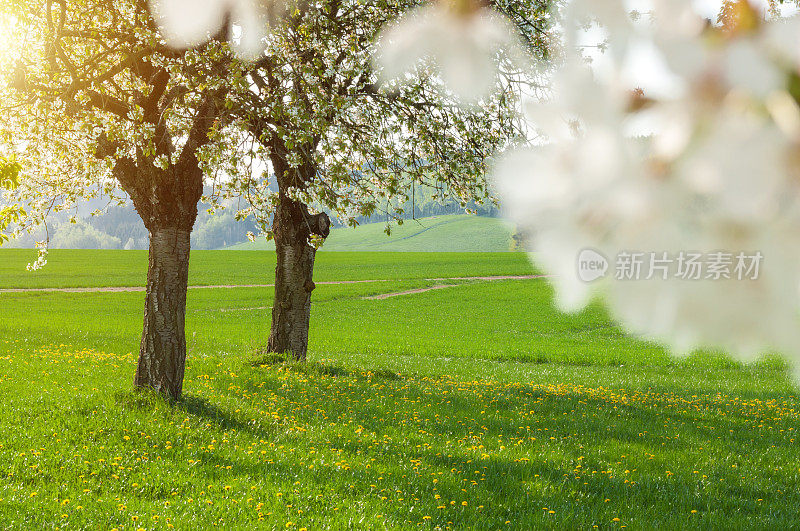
x=718 y=169
x=188 y=23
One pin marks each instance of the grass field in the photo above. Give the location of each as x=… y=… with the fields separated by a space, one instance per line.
x=454 y=233
x=476 y=406
x=85 y=268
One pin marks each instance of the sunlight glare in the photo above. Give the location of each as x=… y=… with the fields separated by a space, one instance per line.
x=7 y=44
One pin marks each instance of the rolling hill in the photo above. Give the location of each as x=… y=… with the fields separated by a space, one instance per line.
x=455 y=233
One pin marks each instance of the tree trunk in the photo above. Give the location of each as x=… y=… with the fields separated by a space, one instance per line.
x=294 y=274
x=292 y=227
x=291 y=311
x=162 y=356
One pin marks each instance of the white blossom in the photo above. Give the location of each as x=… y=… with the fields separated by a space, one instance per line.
x=719 y=175
x=41 y=257
x=611 y=16
x=463 y=40
x=189 y=23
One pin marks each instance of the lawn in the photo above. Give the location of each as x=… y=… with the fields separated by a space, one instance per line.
x=475 y=406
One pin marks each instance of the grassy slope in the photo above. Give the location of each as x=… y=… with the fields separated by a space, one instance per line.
x=456 y=233
x=478 y=406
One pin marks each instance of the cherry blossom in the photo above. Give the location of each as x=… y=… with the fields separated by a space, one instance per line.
x=189 y=23
x=718 y=175
x=463 y=39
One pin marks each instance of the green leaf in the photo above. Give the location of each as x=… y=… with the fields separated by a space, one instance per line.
x=9 y=172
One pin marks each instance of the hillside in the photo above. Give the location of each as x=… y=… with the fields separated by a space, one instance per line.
x=455 y=233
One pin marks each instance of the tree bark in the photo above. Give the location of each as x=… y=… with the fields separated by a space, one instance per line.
x=162 y=356
x=292 y=227
x=294 y=276
x=291 y=311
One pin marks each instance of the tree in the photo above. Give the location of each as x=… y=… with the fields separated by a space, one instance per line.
x=99 y=103
x=338 y=142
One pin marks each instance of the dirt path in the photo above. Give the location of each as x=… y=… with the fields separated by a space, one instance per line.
x=120 y=289
x=383 y=296
x=501 y=277
x=409 y=292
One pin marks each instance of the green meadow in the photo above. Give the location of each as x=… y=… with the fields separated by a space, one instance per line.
x=93 y=268
x=476 y=405
x=451 y=233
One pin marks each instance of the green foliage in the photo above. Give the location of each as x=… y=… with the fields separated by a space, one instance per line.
x=8 y=216
x=10 y=169
x=220 y=230
x=123 y=223
x=389 y=429
x=102 y=108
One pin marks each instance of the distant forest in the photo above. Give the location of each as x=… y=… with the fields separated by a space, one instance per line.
x=120 y=227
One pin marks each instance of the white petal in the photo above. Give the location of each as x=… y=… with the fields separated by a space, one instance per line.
x=464 y=49
x=783 y=37
x=748 y=68
x=402 y=45
x=251 y=19
x=188 y=23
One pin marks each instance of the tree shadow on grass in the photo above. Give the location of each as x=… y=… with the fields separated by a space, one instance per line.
x=436 y=424
x=652 y=497
x=316 y=368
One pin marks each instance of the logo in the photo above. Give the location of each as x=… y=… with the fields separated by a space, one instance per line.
x=591 y=265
